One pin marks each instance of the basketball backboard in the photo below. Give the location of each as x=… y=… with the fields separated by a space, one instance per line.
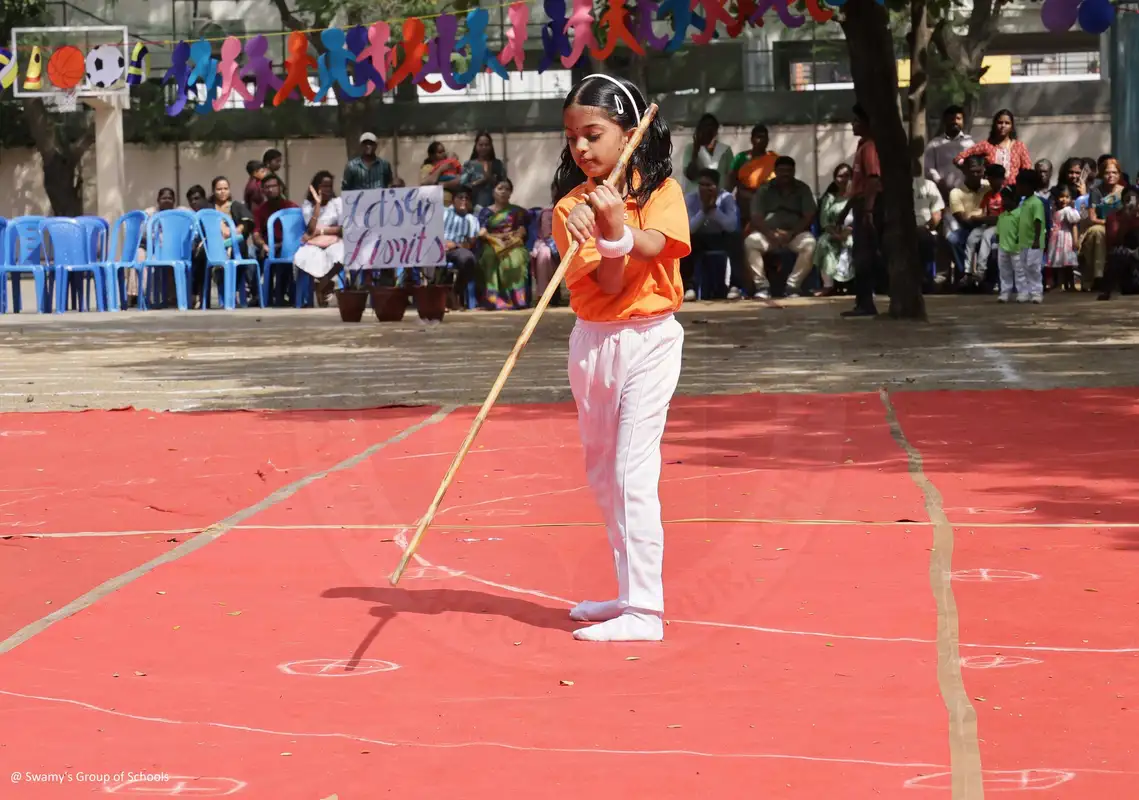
x=62 y=64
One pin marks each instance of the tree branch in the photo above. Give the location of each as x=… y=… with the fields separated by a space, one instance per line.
x=84 y=143
x=41 y=128
x=288 y=19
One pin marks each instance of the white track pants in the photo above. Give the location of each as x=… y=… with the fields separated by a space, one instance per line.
x=623 y=376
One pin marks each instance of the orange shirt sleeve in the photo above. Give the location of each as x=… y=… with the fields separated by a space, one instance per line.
x=587 y=255
x=667 y=213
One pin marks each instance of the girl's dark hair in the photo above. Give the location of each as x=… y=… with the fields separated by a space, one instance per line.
x=319 y=177
x=430 y=148
x=832 y=187
x=652 y=160
x=1009 y=198
x=1004 y=112
x=475 y=147
x=1061 y=188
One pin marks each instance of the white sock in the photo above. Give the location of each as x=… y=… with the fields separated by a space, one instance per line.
x=630 y=626
x=596 y=610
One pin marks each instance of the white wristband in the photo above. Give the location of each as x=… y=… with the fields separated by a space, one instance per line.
x=616 y=249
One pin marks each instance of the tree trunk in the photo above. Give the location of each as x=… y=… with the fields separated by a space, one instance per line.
x=920 y=36
x=63 y=176
x=875 y=73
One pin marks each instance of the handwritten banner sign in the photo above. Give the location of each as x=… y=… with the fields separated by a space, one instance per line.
x=394 y=228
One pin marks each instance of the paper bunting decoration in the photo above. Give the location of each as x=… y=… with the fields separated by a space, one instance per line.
x=359 y=61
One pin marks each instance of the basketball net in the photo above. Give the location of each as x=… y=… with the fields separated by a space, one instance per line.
x=64 y=101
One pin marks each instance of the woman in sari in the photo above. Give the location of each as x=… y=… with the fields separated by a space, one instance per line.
x=504 y=261
x=832 y=250
x=1103 y=201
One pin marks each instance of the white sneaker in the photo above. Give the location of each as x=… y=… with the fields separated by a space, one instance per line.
x=1036 y=298
x=762 y=294
x=734 y=293
x=690 y=295
x=1004 y=297
x=1022 y=298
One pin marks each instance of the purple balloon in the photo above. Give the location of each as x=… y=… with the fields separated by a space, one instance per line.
x=1059 y=15
x=1096 y=16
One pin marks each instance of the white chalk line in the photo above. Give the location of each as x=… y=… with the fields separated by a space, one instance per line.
x=994 y=356
x=400 y=539
x=114 y=712
x=591 y=524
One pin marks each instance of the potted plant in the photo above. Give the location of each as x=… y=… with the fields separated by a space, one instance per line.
x=352 y=296
x=432 y=293
x=389 y=300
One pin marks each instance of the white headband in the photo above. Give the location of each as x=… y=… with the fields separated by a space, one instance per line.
x=624 y=89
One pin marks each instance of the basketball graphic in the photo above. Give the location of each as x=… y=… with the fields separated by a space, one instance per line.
x=65 y=67
x=105 y=66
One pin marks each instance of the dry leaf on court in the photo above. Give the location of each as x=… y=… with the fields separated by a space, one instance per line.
x=286 y=754
x=1091 y=590
x=566 y=683
x=233 y=613
x=632 y=658
x=674 y=726
x=140 y=674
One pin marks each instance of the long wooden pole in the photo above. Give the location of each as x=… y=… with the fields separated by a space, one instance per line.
x=616 y=174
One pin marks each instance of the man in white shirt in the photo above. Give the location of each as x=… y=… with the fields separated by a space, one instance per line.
x=705 y=151
x=945 y=147
x=714 y=224
x=928 y=208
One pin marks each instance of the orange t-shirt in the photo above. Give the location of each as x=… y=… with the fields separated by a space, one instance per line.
x=650 y=287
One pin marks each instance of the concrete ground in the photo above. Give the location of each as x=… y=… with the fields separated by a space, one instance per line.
x=168 y=360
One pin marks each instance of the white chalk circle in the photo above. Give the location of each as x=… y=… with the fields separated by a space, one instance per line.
x=430 y=574
x=986 y=575
x=337 y=667
x=993 y=780
x=997 y=662
x=178 y=786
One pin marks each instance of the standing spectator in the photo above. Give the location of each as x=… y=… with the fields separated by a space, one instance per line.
x=966 y=203
x=254 y=197
x=1002 y=147
x=274 y=161
x=1122 y=273
x=440 y=169
x=781 y=215
x=752 y=168
x=460 y=237
x=483 y=172
x=1031 y=238
x=705 y=151
x=943 y=149
x=367 y=170
x=714 y=222
x=1064 y=240
x=865 y=184
x=832 y=250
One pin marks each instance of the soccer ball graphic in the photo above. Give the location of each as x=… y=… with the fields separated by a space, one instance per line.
x=105 y=66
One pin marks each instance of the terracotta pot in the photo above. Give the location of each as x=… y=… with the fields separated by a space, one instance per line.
x=351 y=303
x=431 y=301
x=389 y=303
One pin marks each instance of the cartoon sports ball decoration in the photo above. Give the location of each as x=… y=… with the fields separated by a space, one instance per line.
x=1094 y=16
x=105 y=66
x=65 y=68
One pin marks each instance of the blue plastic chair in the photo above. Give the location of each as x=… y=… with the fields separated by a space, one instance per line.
x=67 y=244
x=99 y=233
x=122 y=254
x=218 y=256
x=169 y=245
x=281 y=253
x=22 y=253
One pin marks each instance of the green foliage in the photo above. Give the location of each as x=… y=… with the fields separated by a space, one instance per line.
x=20 y=13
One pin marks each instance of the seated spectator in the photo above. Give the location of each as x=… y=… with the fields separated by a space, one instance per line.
x=714 y=222
x=322 y=253
x=836 y=225
x=274 y=202
x=979 y=245
x=1122 y=269
x=1105 y=199
x=504 y=261
x=966 y=203
x=928 y=205
x=222 y=200
x=544 y=253
x=752 y=168
x=782 y=211
x=460 y=237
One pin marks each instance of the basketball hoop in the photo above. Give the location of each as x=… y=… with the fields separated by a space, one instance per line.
x=63 y=102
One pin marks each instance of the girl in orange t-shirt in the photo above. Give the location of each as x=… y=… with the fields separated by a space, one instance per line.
x=625 y=350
